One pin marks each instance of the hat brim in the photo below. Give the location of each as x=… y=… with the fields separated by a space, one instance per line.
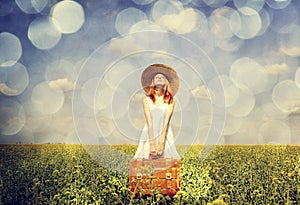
x=167 y=71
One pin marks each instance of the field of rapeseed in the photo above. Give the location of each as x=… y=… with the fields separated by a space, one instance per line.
x=231 y=174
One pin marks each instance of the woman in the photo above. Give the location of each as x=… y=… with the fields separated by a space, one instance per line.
x=160 y=83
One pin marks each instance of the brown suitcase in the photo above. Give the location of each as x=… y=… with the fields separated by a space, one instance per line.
x=147 y=176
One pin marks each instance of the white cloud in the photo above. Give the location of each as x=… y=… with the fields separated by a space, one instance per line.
x=7 y=90
x=275 y=69
x=201 y=92
x=63 y=84
x=291 y=51
x=297 y=112
x=124 y=45
x=181 y=23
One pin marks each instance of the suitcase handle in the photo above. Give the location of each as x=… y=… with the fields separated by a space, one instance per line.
x=168 y=175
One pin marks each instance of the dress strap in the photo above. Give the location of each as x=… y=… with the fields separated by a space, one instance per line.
x=150 y=103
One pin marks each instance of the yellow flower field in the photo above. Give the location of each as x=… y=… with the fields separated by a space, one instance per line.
x=67 y=174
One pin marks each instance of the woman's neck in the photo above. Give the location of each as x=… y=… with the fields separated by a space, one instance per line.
x=159 y=91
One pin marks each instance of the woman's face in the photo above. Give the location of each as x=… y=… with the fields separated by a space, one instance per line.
x=159 y=79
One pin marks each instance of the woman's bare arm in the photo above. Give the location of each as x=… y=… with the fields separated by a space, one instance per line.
x=164 y=132
x=150 y=127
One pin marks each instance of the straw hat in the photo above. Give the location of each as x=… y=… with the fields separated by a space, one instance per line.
x=167 y=71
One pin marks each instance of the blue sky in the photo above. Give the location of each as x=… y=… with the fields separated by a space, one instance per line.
x=70 y=70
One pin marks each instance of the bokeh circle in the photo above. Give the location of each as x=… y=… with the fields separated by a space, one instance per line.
x=12 y=117
x=10 y=49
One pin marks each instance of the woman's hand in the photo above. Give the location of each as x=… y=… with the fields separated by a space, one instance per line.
x=153 y=152
x=160 y=148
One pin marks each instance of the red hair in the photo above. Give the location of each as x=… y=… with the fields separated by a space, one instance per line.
x=168 y=96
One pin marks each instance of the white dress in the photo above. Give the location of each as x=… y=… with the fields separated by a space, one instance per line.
x=157 y=114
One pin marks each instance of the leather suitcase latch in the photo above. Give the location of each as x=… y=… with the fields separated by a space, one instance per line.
x=139 y=176
x=168 y=175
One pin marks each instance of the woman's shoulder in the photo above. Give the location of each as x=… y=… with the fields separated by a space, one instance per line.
x=172 y=104
x=147 y=100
